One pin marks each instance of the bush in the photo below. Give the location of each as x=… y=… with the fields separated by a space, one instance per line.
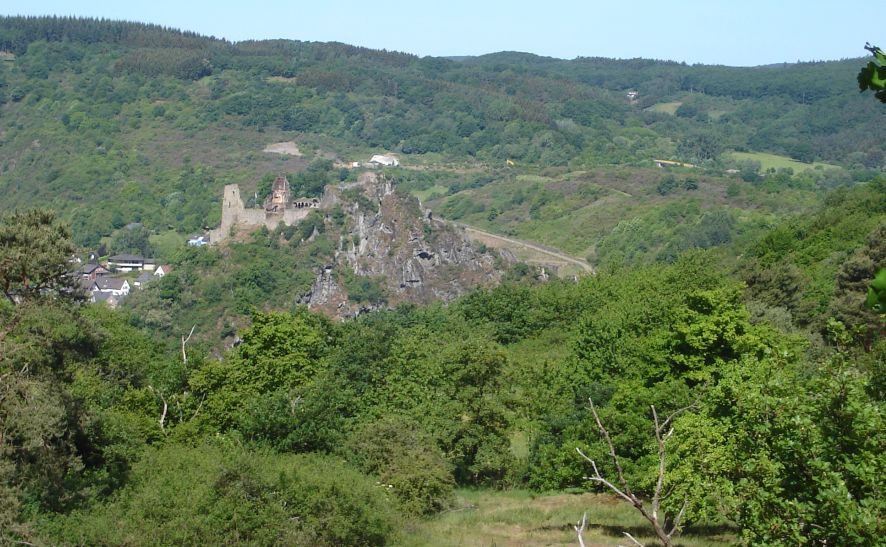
x=406 y=460
x=217 y=495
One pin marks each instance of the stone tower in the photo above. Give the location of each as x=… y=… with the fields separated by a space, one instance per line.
x=280 y=197
x=232 y=201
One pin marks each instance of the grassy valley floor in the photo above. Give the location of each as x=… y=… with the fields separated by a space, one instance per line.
x=522 y=518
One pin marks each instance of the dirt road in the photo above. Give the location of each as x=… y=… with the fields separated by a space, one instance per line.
x=547 y=254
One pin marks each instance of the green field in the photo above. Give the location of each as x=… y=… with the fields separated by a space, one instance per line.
x=666 y=108
x=519 y=517
x=777 y=162
x=427 y=193
x=167 y=243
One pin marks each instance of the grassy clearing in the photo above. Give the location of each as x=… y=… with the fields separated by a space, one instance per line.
x=533 y=178
x=167 y=243
x=666 y=108
x=512 y=518
x=778 y=162
x=426 y=194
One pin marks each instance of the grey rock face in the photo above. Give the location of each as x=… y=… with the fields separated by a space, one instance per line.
x=399 y=245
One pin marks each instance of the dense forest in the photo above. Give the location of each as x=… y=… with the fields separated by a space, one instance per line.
x=729 y=295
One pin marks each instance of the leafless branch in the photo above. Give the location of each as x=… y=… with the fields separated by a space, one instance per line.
x=676 y=524
x=630 y=537
x=663 y=432
x=599 y=478
x=580 y=528
x=659 y=483
x=199 y=406
x=185 y=341
x=165 y=408
x=605 y=433
x=468 y=507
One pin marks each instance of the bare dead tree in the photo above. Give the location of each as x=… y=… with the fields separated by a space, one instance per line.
x=165 y=408
x=185 y=341
x=580 y=528
x=664 y=528
x=176 y=399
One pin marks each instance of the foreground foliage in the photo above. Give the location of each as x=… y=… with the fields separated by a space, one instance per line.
x=224 y=494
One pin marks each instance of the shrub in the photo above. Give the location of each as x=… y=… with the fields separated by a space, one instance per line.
x=407 y=461
x=222 y=495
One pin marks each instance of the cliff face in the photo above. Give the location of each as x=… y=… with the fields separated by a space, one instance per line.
x=392 y=249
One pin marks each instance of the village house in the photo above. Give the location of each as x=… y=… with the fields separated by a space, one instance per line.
x=162 y=270
x=117 y=287
x=91 y=271
x=131 y=263
x=662 y=164
x=126 y=263
x=144 y=277
x=383 y=160
x=198 y=241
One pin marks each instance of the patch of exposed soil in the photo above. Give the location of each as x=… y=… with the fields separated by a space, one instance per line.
x=288 y=148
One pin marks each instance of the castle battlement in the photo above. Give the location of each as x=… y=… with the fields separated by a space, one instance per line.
x=279 y=208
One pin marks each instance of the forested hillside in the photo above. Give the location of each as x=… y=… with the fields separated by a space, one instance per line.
x=720 y=364
x=113 y=122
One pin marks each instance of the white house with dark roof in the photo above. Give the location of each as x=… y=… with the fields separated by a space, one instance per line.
x=117 y=287
x=131 y=263
x=126 y=263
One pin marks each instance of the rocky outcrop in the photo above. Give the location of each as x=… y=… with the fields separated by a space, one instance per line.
x=393 y=241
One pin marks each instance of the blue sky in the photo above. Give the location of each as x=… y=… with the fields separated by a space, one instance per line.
x=736 y=32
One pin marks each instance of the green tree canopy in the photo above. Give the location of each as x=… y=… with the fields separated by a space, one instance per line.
x=873 y=75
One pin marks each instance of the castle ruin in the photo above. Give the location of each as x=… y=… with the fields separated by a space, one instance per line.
x=279 y=207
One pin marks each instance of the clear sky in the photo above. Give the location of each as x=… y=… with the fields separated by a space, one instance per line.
x=729 y=32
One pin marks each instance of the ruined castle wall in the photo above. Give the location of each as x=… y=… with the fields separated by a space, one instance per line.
x=291 y=216
x=234 y=213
